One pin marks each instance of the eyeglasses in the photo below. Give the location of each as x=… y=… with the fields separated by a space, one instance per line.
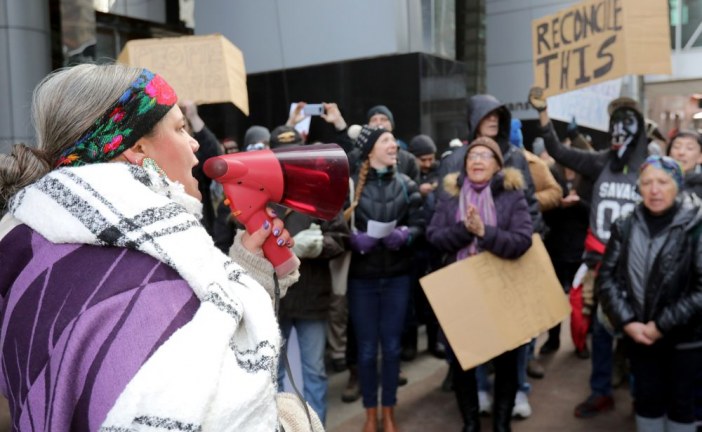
x=480 y=156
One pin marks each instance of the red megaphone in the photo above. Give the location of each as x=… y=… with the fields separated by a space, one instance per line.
x=310 y=179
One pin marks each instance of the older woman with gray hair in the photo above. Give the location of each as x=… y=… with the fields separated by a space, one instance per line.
x=650 y=287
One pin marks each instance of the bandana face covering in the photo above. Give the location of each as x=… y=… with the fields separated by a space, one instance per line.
x=624 y=127
x=147 y=100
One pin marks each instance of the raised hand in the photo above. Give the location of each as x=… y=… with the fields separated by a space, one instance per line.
x=332 y=115
x=537 y=99
x=296 y=116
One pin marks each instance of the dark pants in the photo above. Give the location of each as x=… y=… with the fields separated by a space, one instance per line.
x=602 y=359
x=377 y=308
x=505 y=390
x=665 y=380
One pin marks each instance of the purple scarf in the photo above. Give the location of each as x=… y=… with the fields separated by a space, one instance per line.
x=479 y=196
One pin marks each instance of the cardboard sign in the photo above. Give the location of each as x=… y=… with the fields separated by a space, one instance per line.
x=204 y=69
x=599 y=40
x=488 y=305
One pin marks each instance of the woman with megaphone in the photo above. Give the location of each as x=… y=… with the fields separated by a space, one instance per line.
x=386 y=217
x=118 y=312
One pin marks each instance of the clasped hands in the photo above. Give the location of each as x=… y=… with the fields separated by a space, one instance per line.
x=645 y=334
x=473 y=223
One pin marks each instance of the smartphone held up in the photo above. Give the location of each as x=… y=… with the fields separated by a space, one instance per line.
x=313 y=109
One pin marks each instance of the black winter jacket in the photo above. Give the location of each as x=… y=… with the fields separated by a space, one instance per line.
x=673 y=291
x=310 y=296
x=386 y=197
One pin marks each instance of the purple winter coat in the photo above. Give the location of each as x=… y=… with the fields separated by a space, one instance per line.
x=511 y=238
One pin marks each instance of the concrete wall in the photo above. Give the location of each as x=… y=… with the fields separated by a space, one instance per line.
x=275 y=34
x=25 y=57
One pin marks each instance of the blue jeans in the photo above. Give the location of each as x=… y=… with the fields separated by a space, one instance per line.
x=602 y=359
x=524 y=354
x=377 y=308
x=312 y=338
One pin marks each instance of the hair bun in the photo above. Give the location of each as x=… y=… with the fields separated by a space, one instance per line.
x=22 y=167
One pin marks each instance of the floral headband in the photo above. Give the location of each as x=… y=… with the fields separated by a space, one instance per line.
x=667 y=164
x=147 y=100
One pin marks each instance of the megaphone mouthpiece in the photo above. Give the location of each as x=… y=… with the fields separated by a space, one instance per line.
x=215 y=168
x=219 y=166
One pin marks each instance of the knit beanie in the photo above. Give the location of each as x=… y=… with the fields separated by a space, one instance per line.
x=367 y=138
x=422 y=145
x=515 y=133
x=256 y=134
x=491 y=145
x=381 y=109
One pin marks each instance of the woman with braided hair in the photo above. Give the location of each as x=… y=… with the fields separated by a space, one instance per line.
x=379 y=274
x=117 y=311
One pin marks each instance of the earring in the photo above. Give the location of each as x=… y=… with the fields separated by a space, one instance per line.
x=151 y=164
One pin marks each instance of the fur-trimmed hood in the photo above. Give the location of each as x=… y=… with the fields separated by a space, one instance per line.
x=506 y=179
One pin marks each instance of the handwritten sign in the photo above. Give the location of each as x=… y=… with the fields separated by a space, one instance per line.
x=488 y=305
x=588 y=105
x=599 y=40
x=204 y=69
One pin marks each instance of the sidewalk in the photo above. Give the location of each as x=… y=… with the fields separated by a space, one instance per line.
x=422 y=406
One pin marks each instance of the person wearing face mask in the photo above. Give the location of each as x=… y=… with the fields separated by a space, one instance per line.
x=386 y=217
x=650 y=289
x=686 y=148
x=118 y=311
x=614 y=173
x=483 y=208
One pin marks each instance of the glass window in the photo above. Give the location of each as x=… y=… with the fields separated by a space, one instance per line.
x=689 y=19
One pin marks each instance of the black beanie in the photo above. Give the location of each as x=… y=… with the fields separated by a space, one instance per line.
x=381 y=109
x=367 y=138
x=422 y=145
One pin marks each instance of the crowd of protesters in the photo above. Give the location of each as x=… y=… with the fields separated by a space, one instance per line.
x=625 y=220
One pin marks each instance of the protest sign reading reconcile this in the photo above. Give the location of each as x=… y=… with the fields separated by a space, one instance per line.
x=599 y=40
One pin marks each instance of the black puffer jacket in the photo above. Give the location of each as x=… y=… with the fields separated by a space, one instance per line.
x=673 y=291
x=386 y=197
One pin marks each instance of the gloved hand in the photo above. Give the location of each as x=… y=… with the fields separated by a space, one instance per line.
x=537 y=99
x=397 y=238
x=308 y=243
x=362 y=242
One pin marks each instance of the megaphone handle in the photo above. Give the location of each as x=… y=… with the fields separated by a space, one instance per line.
x=283 y=259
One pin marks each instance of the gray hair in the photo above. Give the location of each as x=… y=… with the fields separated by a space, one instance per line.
x=65 y=104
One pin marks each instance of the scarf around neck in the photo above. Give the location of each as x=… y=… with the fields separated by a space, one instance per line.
x=480 y=197
x=218 y=372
